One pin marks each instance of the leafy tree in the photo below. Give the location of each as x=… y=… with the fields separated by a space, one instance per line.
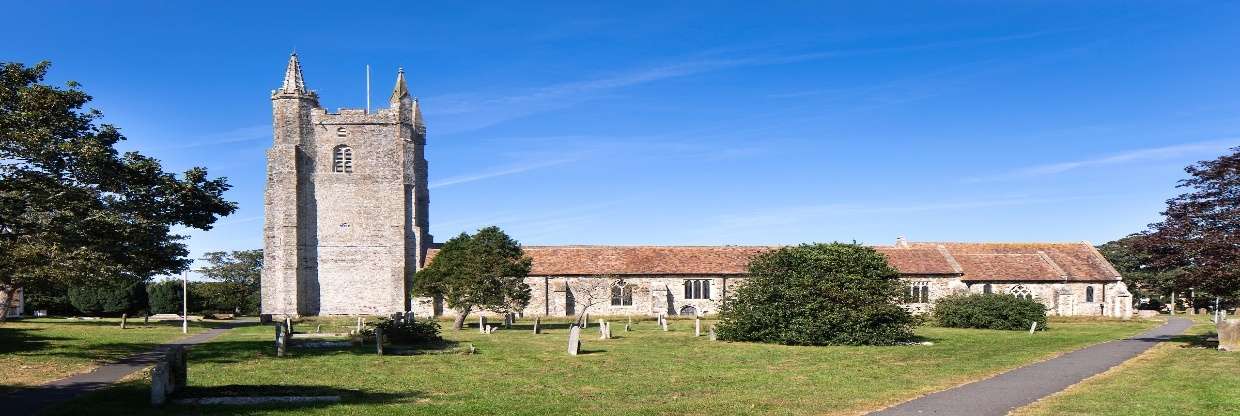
x=109 y=299
x=1200 y=230
x=818 y=294
x=989 y=311
x=237 y=274
x=484 y=271
x=1138 y=266
x=74 y=211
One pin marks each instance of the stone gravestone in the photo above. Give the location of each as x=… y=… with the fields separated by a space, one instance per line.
x=178 y=368
x=585 y=321
x=482 y=324
x=1229 y=335
x=697 y=327
x=318 y=329
x=574 y=340
x=288 y=323
x=713 y=337
x=124 y=320
x=537 y=325
x=379 y=341
x=146 y=320
x=665 y=324
x=160 y=383
x=281 y=340
x=1033 y=327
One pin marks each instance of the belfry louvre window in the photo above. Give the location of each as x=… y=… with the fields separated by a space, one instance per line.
x=918 y=292
x=697 y=289
x=342 y=159
x=621 y=294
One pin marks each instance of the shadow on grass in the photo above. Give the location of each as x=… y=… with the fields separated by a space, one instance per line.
x=1196 y=341
x=133 y=399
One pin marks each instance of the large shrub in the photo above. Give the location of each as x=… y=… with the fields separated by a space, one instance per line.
x=989 y=311
x=413 y=331
x=54 y=300
x=109 y=299
x=818 y=294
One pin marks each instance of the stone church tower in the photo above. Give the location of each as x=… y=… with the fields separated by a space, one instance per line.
x=346 y=204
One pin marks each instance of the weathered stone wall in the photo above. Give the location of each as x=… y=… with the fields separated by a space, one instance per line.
x=343 y=242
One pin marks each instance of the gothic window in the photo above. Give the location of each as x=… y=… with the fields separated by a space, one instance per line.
x=342 y=159
x=987 y=289
x=918 y=292
x=1089 y=293
x=1020 y=292
x=697 y=289
x=621 y=294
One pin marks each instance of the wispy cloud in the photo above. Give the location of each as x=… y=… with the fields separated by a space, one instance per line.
x=1131 y=156
x=793 y=215
x=238 y=135
x=479 y=110
x=512 y=170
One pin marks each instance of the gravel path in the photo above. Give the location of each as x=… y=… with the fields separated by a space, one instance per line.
x=1005 y=392
x=31 y=400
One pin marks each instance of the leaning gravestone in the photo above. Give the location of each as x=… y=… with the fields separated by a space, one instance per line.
x=281 y=340
x=574 y=340
x=1229 y=335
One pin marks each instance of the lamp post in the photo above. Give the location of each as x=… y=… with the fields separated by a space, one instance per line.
x=185 y=302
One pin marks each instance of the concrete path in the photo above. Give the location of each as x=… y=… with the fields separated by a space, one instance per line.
x=1005 y=392
x=31 y=400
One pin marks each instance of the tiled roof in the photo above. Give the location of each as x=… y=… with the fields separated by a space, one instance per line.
x=972 y=261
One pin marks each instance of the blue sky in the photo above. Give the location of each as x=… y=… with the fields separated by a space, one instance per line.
x=706 y=123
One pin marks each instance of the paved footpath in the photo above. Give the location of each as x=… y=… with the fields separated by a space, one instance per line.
x=1005 y=392
x=29 y=401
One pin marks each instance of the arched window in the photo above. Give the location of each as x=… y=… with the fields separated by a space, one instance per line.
x=688 y=310
x=987 y=289
x=342 y=159
x=1089 y=293
x=1020 y=292
x=697 y=289
x=621 y=294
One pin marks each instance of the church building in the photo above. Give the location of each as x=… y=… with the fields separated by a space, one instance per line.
x=347 y=225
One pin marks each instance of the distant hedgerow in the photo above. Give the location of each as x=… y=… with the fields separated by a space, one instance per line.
x=988 y=311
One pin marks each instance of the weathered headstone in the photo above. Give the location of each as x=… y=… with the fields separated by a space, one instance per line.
x=379 y=341
x=1033 y=327
x=713 y=337
x=665 y=324
x=1229 y=335
x=146 y=319
x=288 y=323
x=318 y=329
x=626 y=326
x=537 y=325
x=409 y=316
x=124 y=320
x=482 y=324
x=359 y=325
x=697 y=327
x=574 y=340
x=281 y=340
x=160 y=383
x=585 y=321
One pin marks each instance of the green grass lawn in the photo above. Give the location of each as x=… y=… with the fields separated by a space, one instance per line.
x=36 y=351
x=1183 y=377
x=646 y=371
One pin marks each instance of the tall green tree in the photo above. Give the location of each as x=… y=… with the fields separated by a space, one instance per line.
x=484 y=271
x=1139 y=268
x=73 y=210
x=1200 y=230
x=238 y=274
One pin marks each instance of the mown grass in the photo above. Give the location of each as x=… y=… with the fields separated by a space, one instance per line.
x=1187 y=376
x=36 y=351
x=646 y=371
